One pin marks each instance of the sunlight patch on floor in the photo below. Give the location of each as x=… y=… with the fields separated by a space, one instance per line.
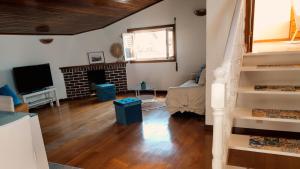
x=156 y=132
x=157 y=139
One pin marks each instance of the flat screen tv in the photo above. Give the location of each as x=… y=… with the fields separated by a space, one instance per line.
x=32 y=78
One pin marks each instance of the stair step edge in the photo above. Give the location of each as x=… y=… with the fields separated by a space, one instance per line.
x=241 y=142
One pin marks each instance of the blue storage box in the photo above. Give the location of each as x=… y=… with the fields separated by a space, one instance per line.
x=128 y=110
x=106 y=92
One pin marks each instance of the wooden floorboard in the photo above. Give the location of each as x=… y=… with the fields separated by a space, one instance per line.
x=83 y=133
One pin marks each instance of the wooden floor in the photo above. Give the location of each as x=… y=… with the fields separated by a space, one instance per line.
x=83 y=133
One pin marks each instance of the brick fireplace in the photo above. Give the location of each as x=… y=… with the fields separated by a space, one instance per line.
x=78 y=85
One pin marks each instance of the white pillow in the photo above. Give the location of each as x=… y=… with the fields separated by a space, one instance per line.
x=202 y=79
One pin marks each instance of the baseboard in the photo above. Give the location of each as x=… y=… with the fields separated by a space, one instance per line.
x=158 y=92
x=273 y=40
x=268 y=133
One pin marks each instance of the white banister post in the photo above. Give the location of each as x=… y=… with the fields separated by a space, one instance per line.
x=218 y=105
x=224 y=88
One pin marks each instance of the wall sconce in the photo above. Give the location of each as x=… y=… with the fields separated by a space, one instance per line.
x=46 y=41
x=200 y=12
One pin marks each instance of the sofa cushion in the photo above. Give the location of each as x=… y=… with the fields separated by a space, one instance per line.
x=7 y=91
x=202 y=79
x=198 y=74
x=190 y=83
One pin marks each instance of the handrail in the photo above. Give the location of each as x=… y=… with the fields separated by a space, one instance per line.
x=224 y=88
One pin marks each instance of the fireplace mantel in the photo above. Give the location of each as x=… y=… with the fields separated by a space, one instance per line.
x=76 y=78
x=105 y=66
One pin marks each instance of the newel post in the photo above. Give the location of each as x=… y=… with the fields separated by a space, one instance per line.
x=218 y=105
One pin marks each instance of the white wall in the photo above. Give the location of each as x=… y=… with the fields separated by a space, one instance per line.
x=190 y=42
x=71 y=50
x=272 y=19
x=27 y=50
x=219 y=14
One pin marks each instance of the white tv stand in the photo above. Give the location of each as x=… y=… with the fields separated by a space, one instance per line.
x=42 y=97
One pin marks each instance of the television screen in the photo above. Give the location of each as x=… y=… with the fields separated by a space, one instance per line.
x=32 y=78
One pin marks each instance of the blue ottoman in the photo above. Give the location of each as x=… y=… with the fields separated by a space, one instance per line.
x=106 y=92
x=128 y=110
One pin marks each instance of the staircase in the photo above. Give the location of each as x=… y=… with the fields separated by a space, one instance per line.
x=278 y=104
x=267 y=100
x=256 y=91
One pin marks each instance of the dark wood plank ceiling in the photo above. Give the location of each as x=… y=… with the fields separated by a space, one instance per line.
x=64 y=17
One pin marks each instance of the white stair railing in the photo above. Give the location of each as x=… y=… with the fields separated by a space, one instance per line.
x=224 y=88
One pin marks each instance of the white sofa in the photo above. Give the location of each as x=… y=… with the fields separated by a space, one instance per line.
x=188 y=97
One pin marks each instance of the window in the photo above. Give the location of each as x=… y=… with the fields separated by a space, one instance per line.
x=152 y=44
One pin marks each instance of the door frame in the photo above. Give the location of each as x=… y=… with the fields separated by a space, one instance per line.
x=249 y=25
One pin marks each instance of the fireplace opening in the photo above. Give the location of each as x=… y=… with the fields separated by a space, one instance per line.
x=96 y=77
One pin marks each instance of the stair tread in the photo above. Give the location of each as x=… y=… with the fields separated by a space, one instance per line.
x=251 y=90
x=246 y=114
x=276 y=53
x=279 y=68
x=241 y=142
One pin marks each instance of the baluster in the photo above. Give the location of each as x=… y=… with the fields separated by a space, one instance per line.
x=218 y=105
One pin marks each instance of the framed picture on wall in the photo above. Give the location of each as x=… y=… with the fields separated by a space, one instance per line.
x=96 y=57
